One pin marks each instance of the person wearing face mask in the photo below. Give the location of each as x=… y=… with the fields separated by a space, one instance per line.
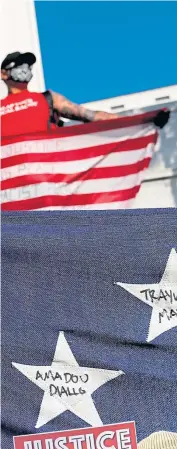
x=24 y=112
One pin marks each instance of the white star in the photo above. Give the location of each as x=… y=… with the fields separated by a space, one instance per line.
x=67 y=386
x=161 y=297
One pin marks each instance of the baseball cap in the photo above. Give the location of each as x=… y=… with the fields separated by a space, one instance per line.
x=15 y=59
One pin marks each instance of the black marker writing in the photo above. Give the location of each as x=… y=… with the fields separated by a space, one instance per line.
x=168 y=314
x=64 y=377
x=166 y=295
x=66 y=391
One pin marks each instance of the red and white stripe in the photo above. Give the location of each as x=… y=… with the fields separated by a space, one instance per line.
x=95 y=166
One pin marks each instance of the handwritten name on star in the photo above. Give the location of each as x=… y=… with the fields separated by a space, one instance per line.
x=64 y=384
x=153 y=297
x=161 y=297
x=167 y=314
x=165 y=299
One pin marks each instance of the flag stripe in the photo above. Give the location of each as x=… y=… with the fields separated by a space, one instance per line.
x=11 y=177
x=48 y=145
x=99 y=206
x=81 y=154
x=76 y=187
x=112 y=159
x=71 y=200
x=79 y=166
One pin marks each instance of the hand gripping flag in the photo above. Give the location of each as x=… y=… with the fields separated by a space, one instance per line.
x=89 y=321
x=94 y=166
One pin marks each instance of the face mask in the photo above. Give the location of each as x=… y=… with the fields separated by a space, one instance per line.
x=21 y=74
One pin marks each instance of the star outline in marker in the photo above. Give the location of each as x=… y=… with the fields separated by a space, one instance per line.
x=52 y=407
x=168 y=280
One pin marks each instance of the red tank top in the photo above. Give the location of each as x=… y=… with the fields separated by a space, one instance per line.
x=24 y=113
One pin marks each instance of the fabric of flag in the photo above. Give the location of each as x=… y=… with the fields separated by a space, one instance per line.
x=89 y=321
x=94 y=166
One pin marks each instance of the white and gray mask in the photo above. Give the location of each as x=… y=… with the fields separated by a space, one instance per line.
x=21 y=74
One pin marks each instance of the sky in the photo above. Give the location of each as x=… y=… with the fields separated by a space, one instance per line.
x=97 y=50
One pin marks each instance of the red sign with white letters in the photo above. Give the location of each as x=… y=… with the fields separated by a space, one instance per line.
x=113 y=436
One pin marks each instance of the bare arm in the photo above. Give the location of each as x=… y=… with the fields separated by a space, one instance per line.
x=72 y=111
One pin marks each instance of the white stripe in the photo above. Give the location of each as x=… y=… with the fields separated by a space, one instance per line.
x=78 y=187
x=76 y=142
x=117 y=205
x=112 y=160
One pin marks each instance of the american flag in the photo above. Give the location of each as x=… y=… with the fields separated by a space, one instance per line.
x=89 y=321
x=94 y=166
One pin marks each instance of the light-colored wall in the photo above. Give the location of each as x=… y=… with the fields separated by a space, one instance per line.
x=160 y=186
x=157 y=194
x=18 y=32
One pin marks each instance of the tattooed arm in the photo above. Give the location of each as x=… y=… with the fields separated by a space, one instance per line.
x=74 y=111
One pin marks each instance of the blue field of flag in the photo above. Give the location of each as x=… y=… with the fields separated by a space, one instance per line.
x=89 y=316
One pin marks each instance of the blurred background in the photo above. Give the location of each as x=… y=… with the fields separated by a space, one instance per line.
x=114 y=56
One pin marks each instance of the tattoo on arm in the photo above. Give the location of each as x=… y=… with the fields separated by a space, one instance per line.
x=76 y=112
x=70 y=110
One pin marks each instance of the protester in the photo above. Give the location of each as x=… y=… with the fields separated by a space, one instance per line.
x=159 y=440
x=27 y=112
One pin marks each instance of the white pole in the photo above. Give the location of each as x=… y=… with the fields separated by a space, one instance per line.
x=18 y=32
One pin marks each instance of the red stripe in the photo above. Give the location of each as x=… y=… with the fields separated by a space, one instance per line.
x=94 y=127
x=71 y=200
x=81 y=154
x=91 y=174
